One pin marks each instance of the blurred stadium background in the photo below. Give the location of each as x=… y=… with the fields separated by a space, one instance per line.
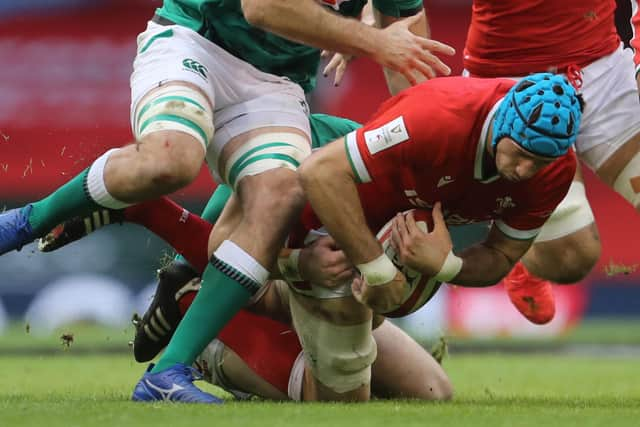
x=65 y=99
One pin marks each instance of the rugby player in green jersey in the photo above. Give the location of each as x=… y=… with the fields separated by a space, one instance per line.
x=225 y=80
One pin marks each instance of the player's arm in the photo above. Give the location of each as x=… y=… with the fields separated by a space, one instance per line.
x=321 y=263
x=396 y=82
x=486 y=263
x=310 y=23
x=483 y=264
x=330 y=185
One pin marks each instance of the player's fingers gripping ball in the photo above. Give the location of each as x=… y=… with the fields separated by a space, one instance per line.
x=541 y=113
x=407 y=291
x=382 y=298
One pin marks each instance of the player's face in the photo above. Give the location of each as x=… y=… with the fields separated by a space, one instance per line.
x=515 y=163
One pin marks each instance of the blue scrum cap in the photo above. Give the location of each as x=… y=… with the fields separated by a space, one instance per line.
x=541 y=113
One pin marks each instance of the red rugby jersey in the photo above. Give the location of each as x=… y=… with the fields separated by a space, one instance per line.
x=428 y=144
x=509 y=38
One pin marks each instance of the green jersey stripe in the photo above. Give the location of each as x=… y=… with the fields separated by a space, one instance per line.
x=269 y=156
x=164 y=34
x=165 y=99
x=238 y=163
x=176 y=119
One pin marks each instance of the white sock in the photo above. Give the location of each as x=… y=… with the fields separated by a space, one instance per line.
x=236 y=257
x=96 y=187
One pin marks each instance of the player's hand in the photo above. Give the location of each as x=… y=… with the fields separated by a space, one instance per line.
x=423 y=252
x=323 y=263
x=411 y=55
x=381 y=298
x=338 y=64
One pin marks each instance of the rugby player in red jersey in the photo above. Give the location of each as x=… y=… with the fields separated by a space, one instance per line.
x=473 y=150
x=578 y=38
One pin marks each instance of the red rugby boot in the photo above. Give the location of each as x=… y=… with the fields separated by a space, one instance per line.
x=532 y=296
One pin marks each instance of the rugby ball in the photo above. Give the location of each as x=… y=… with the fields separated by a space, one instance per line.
x=421 y=288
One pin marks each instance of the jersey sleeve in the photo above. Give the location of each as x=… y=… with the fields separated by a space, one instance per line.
x=395 y=138
x=398 y=8
x=325 y=128
x=525 y=221
x=635 y=28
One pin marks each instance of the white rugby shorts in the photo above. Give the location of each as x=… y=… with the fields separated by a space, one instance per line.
x=243 y=97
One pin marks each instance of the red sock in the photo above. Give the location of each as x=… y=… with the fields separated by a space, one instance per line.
x=185 y=301
x=187 y=233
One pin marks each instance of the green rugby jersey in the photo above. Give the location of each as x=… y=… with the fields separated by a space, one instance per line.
x=222 y=22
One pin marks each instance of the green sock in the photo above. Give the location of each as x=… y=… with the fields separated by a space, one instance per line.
x=219 y=299
x=212 y=211
x=216 y=203
x=66 y=202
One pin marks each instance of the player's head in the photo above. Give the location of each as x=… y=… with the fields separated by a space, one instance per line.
x=541 y=113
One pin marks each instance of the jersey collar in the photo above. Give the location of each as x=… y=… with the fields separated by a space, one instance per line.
x=481 y=148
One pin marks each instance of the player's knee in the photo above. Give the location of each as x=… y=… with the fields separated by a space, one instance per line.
x=577 y=263
x=279 y=191
x=347 y=371
x=568 y=259
x=173 y=162
x=339 y=356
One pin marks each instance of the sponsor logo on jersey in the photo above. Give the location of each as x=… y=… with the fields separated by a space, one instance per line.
x=449 y=217
x=386 y=136
x=304 y=106
x=195 y=66
x=503 y=203
x=416 y=201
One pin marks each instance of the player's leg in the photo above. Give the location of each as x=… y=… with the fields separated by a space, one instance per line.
x=263 y=358
x=253 y=354
x=564 y=252
x=172 y=118
x=621 y=171
x=324 y=129
x=569 y=237
x=608 y=144
x=404 y=369
x=240 y=264
x=256 y=150
x=160 y=162
x=611 y=143
x=338 y=347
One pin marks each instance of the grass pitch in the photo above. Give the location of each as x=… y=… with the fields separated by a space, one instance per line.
x=46 y=384
x=491 y=390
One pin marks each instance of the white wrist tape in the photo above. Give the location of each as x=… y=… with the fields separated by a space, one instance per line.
x=379 y=271
x=288 y=265
x=450 y=268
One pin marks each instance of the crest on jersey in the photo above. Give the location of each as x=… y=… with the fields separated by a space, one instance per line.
x=335 y=4
x=503 y=203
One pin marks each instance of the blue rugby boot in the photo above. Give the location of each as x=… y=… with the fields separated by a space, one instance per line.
x=174 y=384
x=15 y=230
